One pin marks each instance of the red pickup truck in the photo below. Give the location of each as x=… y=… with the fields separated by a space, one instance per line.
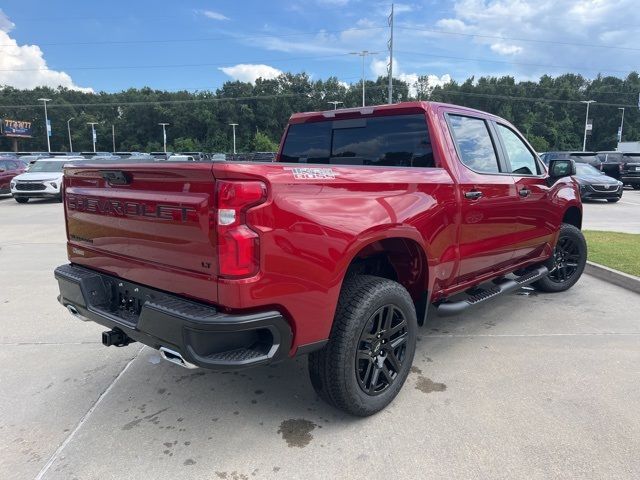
x=336 y=250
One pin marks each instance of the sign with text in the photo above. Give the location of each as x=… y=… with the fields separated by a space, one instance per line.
x=15 y=128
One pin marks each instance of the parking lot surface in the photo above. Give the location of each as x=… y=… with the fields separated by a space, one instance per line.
x=623 y=216
x=527 y=386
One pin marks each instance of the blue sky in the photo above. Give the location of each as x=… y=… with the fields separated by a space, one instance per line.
x=110 y=46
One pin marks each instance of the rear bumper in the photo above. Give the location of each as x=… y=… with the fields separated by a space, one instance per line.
x=204 y=336
x=630 y=179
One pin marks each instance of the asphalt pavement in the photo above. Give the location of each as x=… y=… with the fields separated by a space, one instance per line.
x=527 y=386
x=623 y=216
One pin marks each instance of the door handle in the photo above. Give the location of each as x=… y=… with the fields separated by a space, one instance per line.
x=525 y=192
x=473 y=194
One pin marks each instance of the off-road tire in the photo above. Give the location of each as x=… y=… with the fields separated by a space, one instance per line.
x=549 y=284
x=333 y=369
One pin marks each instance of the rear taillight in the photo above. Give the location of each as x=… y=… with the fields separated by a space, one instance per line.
x=238 y=244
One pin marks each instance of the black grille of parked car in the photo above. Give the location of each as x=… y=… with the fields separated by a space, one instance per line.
x=30 y=187
x=605 y=188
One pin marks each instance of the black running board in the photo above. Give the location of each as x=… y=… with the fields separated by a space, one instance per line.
x=447 y=309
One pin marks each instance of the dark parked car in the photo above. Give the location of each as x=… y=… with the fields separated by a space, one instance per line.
x=612 y=163
x=9 y=168
x=591 y=158
x=630 y=169
x=263 y=157
x=594 y=184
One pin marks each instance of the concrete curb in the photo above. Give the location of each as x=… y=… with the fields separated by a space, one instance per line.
x=621 y=279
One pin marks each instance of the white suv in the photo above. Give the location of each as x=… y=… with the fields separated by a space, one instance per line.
x=43 y=180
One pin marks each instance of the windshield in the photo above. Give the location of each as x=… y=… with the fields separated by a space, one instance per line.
x=586 y=169
x=46 y=166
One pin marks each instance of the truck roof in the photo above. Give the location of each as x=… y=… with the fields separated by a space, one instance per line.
x=388 y=109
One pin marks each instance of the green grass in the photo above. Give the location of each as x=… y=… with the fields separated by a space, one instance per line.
x=615 y=250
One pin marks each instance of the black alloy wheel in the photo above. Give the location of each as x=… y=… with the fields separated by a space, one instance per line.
x=382 y=350
x=566 y=259
x=567 y=262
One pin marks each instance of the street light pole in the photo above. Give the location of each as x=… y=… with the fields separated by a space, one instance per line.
x=363 y=54
x=234 y=125
x=586 y=121
x=621 y=123
x=46 y=122
x=113 y=137
x=93 y=134
x=164 y=135
x=69 y=131
x=335 y=103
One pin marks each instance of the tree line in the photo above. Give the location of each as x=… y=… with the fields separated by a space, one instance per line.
x=547 y=111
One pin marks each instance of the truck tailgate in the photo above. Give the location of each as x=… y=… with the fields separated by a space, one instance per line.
x=148 y=223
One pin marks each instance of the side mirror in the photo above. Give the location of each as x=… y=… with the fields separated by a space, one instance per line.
x=562 y=168
x=2 y=170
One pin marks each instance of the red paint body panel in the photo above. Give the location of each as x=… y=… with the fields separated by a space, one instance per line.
x=10 y=167
x=160 y=229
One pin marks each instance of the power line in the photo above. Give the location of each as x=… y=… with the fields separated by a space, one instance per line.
x=519 y=39
x=190 y=40
x=290 y=95
x=486 y=60
x=530 y=99
x=184 y=65
x=159 y=102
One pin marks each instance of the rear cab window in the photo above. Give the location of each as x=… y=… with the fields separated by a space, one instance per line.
x=392 y=141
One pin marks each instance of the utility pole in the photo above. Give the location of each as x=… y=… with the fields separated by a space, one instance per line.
x=46 y=122
x=113 y=137
x=93 y=134
x=363 y=54
x=164 y=135
x=234 y=125
x=586 y=122
x=335 y=103
x=69 y=132
x=621 y=124
x=390 y=66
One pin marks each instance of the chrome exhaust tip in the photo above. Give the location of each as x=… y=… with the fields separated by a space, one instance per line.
x=74 y=311
x=174 y=357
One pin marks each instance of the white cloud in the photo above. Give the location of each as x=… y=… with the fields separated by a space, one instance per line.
x=248 y=72
x=379 y=69
x=212 y=15
x=571 y=23
x=505 y=49
x=24 y=66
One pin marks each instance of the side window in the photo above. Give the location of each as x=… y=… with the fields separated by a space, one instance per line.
x=522 y=161
x=474 y=143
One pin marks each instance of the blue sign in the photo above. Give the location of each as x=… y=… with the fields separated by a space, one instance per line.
x=15 y=128
x=48 y=127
